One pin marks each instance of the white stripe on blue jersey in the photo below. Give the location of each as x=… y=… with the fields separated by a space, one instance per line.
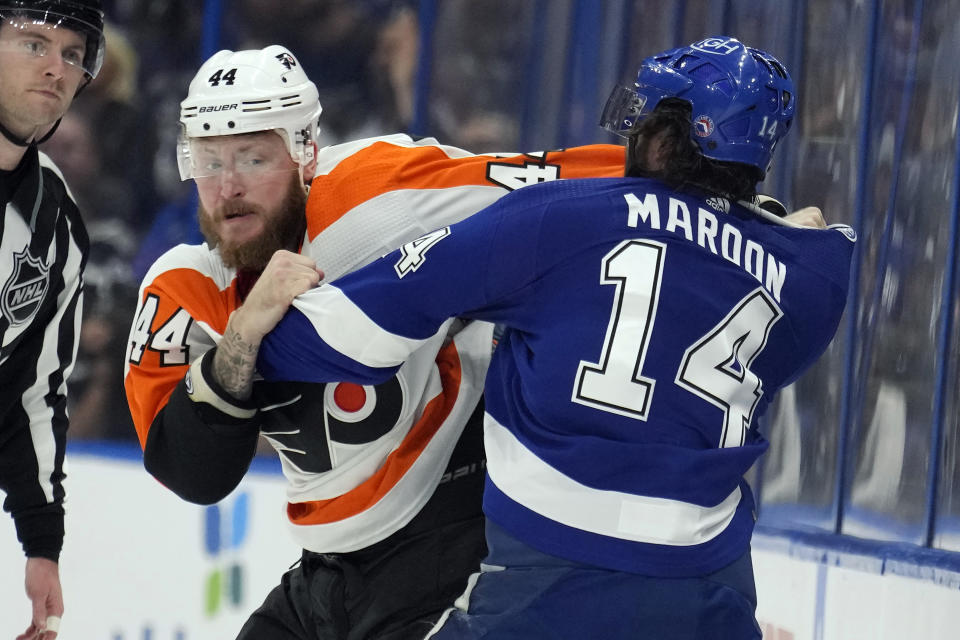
x=520 y=474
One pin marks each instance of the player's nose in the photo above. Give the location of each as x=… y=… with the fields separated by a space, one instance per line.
x=231 y=185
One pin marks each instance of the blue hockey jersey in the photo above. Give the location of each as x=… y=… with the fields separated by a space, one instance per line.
x=646 y=330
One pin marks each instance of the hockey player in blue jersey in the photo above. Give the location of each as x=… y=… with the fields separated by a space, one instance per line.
x=649 y=321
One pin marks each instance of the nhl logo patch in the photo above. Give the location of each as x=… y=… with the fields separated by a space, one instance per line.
x=24 y=290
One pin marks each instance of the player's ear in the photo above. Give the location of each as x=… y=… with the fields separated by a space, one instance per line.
x=310 y=168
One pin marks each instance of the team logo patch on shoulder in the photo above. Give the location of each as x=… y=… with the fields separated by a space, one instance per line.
x=24 y=290
x=845 y=230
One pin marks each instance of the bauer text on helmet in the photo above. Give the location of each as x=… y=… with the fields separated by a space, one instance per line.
x=238 y=92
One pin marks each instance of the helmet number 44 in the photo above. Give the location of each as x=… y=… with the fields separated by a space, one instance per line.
x=226 y=78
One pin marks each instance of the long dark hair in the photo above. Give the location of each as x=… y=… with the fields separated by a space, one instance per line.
x=682 y=163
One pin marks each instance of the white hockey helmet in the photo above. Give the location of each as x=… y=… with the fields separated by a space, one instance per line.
x=246 y=91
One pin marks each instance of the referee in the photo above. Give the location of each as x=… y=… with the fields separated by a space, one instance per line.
x=49 y=50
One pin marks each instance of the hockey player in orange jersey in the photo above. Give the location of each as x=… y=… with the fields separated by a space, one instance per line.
x=384 y=482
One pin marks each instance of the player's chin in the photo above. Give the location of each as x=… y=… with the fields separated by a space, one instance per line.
x=243 y=233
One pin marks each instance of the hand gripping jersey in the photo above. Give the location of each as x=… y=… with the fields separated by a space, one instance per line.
x=361 y=460
x=646 y=330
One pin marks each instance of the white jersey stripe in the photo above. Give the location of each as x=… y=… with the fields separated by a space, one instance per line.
x=530 y=481
x=48 y=362
x=387 y=221
x=349 y=330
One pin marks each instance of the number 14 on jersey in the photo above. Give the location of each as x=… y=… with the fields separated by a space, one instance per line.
x=715 y=368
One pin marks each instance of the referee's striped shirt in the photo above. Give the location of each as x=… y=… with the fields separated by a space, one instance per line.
x=43 y=250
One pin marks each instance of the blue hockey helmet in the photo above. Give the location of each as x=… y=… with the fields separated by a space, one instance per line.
x=742 y=99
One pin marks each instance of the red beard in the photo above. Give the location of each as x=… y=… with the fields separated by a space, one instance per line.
x=283 y=229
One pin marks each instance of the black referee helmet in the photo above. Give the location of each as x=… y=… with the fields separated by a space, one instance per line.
x=83 y=16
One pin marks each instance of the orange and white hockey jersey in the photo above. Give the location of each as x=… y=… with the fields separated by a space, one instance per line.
x=360 y=461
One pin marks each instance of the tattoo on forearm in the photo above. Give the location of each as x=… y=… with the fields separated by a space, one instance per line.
x=234 y=364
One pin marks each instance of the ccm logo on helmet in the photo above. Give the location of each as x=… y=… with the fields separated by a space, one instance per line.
x=717 y=45
x=219 y=107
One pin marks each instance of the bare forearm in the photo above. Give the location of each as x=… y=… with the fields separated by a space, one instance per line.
x=286 y=276
x=235 y=362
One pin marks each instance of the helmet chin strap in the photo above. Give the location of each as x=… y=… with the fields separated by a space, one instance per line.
x=47 y=135
x=9 y=135
x=21 y=142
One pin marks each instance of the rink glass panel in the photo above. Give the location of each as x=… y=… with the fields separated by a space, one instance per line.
x=904 y=249
x=800 y=472
x=945 y=116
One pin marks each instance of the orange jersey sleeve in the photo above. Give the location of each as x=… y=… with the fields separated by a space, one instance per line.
x=372 y=196
x=180 y=313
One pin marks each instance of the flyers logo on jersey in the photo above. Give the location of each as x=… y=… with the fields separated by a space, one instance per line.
x=24 y=290
x=314 y=429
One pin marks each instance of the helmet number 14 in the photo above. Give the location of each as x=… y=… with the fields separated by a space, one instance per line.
x=767 y=128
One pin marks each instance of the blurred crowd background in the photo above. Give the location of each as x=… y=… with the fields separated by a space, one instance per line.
x=865 y=444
